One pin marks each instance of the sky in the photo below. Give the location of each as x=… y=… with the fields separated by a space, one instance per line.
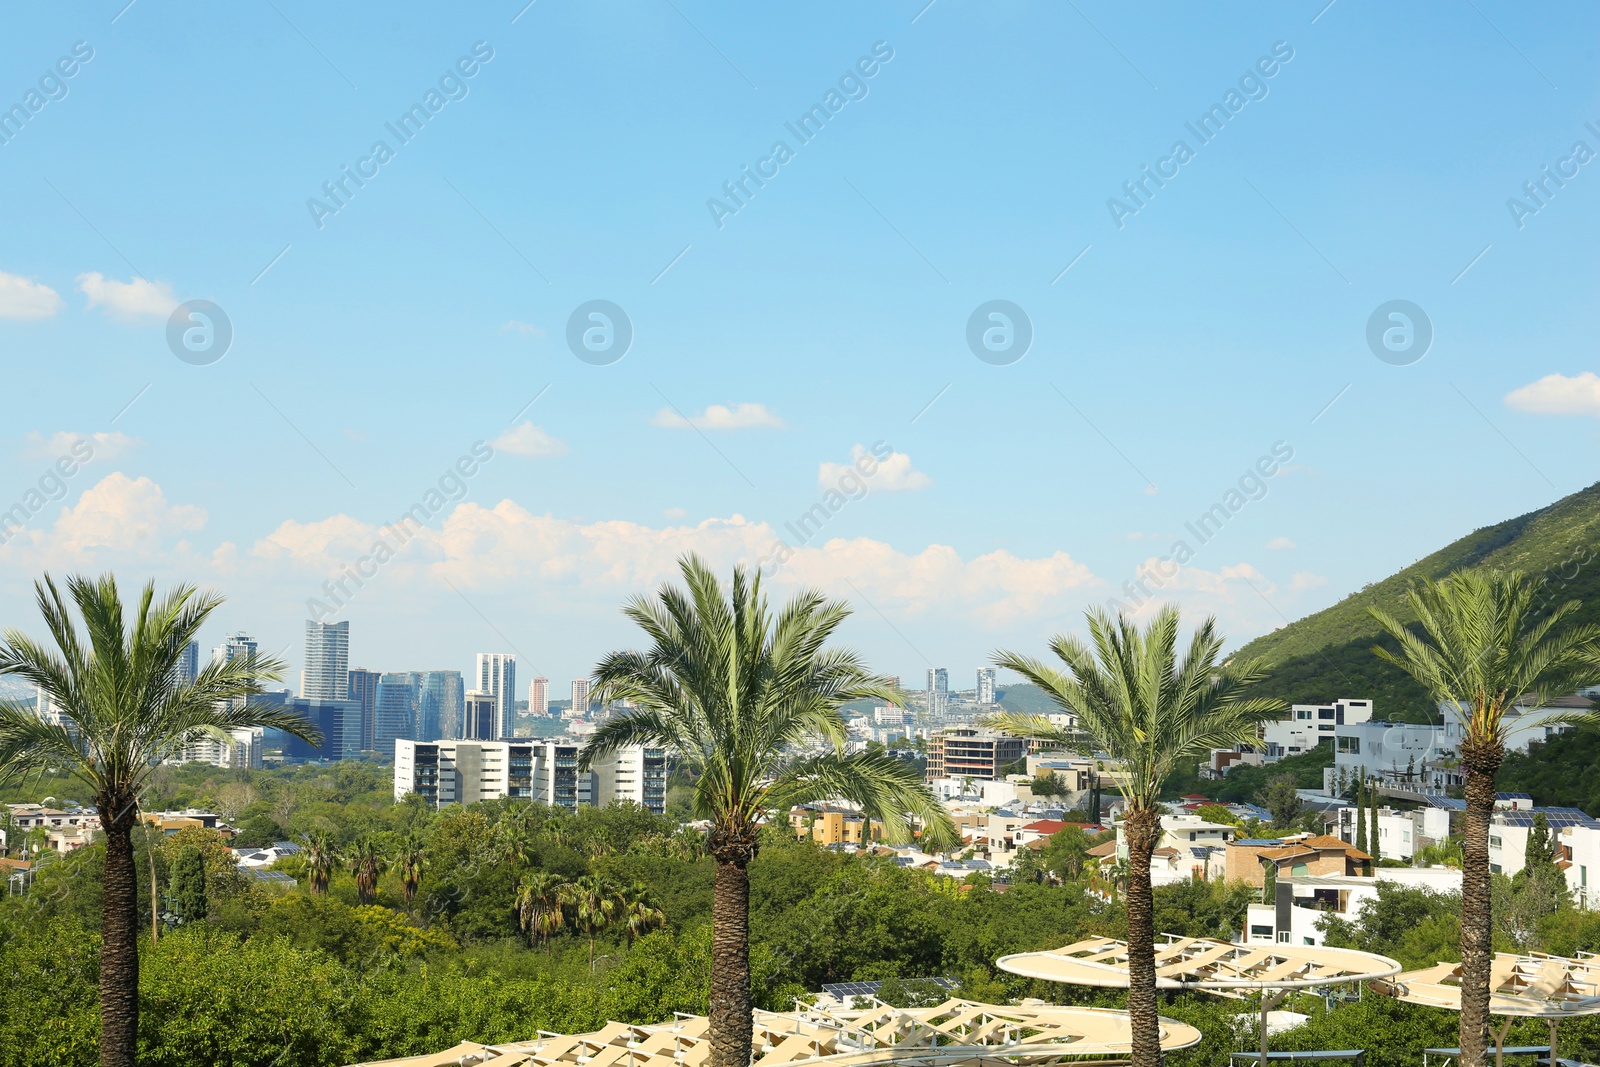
x=1010 y=296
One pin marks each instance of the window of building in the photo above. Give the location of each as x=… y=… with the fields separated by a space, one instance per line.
x=1350 y=745
x=1307 y=941
x=1257 y=930
x=1325 y=713
x=1325 y=727
x=1283 y=936
x=1494 y=841
x=1583 y=876
x=1303 y=714
x=1299 y=870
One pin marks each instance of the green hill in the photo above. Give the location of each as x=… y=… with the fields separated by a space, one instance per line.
x=1328 y=655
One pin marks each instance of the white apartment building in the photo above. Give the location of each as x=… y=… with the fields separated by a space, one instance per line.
x=241 y=751
x=580 y=699
x=636 y=773
x=889 y=715
x=546 y=772
x=1191 y=831
x=497 y=676
x=539 y=698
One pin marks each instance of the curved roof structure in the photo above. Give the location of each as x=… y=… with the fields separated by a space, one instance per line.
x=957 y=1033
x=1205 y=964
x=1535 y=985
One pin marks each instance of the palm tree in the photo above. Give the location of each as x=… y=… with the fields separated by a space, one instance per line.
x=1483 y=647
x=540 y=904
x=410 y=858
x=1135 y=701
x=367 y=864
x=122 y=706
x=595 y=902
x=639 y=912
x=322 y=858
x=733 y=692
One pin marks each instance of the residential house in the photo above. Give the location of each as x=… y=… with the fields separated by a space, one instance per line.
x=1292 y=856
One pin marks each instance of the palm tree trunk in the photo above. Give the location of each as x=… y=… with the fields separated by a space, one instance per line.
x=730 y=966
x=1141 y=829
x=1481 y=762
x=119 y=946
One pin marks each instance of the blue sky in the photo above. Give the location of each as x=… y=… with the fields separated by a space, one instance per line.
x=830 y=312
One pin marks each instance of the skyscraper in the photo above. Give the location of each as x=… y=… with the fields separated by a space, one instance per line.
x=187 y=668
x=986 y=685
x=439 y=705
x=237 y=645
x=539 y=698
x=580 y=698
x=394 y=712
x=364 y=691
x=478 y=717
x=327 y=667
x=938 y=690
x=497 y=676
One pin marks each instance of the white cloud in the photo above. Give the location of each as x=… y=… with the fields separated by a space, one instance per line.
x=674 y=513
x=718 y=417
x=526 y=329
x=892 y=474
x=507 y=548
x=526 y=439
x=23 y=298
x=69 y=443
x=1556 y=394
x=1280 y=544
x=127 y=517
x=131 y=300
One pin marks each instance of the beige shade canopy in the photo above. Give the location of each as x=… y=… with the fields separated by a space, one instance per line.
x=1535 y=985
x=1205 y=964
x=957 y=1033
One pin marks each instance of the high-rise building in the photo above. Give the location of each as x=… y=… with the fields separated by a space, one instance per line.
x=986 y=685
x=580 y=698
x=327 y=666
x=497 y=676
x=364 y=691
x=973 y=752
x=478 y=717
x=546 y=772
x=440 y=695
x=237 y=645
x=539 y=698
x=394 y=713
x=938 y=690
x=187 y=669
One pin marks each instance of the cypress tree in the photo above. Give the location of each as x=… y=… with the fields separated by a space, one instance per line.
x=188 y=885
x=1361 y=810
x=1373 y=837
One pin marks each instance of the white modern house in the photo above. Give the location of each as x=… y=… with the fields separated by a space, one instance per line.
x=1302 y=900
x=1401 y=834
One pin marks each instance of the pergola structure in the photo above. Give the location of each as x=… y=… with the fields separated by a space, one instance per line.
x=1208 y=965
x=957 y=1033
x=1535 y=985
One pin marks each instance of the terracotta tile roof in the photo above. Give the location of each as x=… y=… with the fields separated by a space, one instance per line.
x=1046 y=826
x=1102 y=851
